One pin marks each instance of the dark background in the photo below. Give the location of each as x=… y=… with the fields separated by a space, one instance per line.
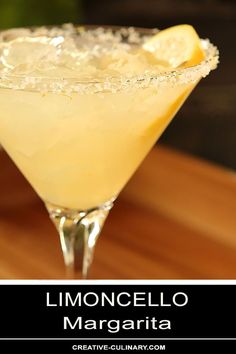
x=206 y=125
x=207 y=314
x=28 y=317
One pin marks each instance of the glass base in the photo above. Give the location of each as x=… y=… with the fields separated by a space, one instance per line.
x=79 y=231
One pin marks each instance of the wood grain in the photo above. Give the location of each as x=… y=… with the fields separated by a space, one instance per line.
x=174 y=220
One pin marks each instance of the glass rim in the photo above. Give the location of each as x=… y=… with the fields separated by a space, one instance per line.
x=171 y=77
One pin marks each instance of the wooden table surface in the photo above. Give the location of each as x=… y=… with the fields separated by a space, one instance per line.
x=176 y=219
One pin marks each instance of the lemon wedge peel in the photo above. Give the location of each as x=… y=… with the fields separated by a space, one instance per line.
x=176 y=47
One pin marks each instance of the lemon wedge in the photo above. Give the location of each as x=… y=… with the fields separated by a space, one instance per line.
x=177 y=46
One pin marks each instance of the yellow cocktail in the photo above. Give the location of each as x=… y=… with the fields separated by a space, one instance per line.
x=81 y=108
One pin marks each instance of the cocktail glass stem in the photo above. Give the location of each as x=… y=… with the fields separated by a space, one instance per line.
x=79 y=231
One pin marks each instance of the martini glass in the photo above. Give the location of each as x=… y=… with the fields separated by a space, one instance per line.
x=79 y=140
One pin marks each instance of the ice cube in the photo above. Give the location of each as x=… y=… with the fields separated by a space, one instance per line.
x=28 y=52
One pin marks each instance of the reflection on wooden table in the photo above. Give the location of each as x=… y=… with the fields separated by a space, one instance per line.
x=174 y=220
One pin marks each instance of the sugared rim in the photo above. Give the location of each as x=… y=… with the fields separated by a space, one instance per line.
x=112 y=84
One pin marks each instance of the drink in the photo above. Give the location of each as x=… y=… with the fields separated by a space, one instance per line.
x=88 y=105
